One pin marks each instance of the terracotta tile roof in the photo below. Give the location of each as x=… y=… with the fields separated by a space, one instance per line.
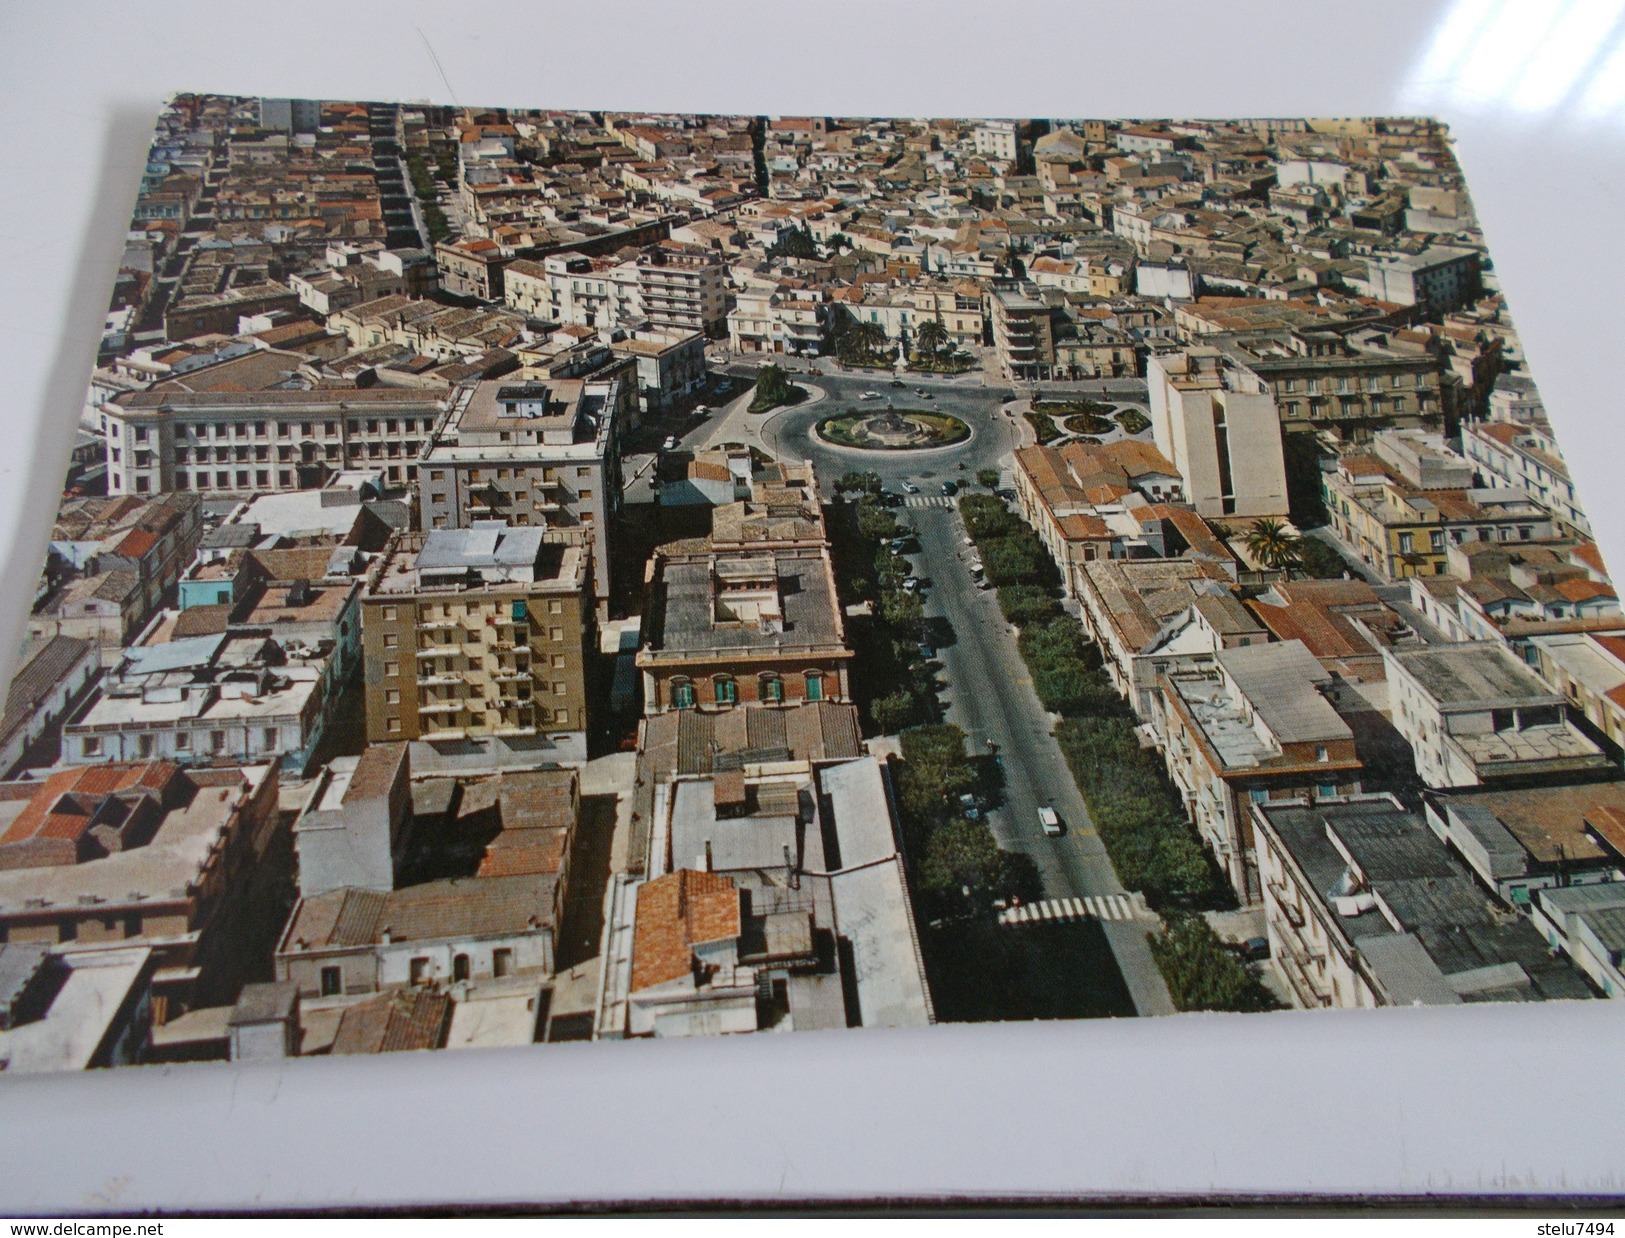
x=675 y=913
x=393 y=1022
x=136 y=543
x=1582 y=589
x=63 y=806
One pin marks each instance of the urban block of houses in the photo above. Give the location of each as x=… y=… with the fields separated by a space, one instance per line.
x=774 y=899
x=1474 y=714
x=1401 y=506
x=1256 y=725
x=1365 y=907
x=147 y=854
x=1147 y=616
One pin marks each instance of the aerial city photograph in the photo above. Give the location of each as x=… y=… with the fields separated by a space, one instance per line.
x=538 y=576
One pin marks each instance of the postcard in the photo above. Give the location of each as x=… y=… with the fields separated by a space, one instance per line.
x=531 y=576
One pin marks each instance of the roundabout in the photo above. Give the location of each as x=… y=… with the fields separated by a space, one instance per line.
x=892 y=429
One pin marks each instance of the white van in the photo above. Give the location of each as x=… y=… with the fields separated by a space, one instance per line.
x=1050 y=822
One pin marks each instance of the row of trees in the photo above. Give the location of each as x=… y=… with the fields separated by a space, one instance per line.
x=423 y=184
x=1138 y=814
x=959 y=868
x=894 y=684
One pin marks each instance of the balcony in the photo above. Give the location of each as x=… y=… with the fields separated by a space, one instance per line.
x=441 y=707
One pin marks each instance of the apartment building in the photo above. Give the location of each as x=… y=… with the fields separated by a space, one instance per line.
x=1255 y=726
x=1404 y=504
x=484 y=631
x=1526 y=457
x=1472 y=713
x=240 y=442
x=471 y=268
x=1219 y=426
x=1348 y=384
x=1023 y=336
x=544 y=455
x=682 y=288
x=723 y=629
x=1366 y=908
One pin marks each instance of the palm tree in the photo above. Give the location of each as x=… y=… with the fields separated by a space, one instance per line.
x=931 y=337
x=1273 y=545
x=868 y=337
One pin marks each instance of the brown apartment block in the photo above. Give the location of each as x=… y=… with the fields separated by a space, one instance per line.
x=740 y=627
x=471 y=268
x=481 y=631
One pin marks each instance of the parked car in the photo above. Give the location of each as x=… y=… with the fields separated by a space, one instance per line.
x=870 y=395
x=671 y=443
x=926 y=651
x=968 y=807
x=1255 y=948
x=897 y=382
x=1050 y=821
x=950 y=488
x=911 y=487
x=701 y=410
x=911 y=585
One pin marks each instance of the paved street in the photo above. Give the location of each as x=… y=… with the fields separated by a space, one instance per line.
x=990 y=696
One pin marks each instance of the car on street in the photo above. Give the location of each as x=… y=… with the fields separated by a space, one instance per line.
x=1049 y=820
x=670 y=443
x=910 y=487
x=870 y=395
x=968 y=807
x=1255 y=949
x=911 y=585
x=950 y=488
x=701 y=410
x=897 y=382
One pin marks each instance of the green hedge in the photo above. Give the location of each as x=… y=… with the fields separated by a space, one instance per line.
x=1139 y=816
x=1043 y=426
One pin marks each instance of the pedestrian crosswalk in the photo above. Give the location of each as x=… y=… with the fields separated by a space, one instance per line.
x=927 y=500
x=1094 y=907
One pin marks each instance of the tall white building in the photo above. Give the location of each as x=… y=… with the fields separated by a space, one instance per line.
x=1219 y=426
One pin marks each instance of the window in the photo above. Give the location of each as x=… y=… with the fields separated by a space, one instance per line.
x=143 y=745
x=67 y=930
x=332 y=982
x=93 y=745
x=392 y=725
x=501 y=961
x=1322 y=755
x=183 y=741
x=586 y=494
x=391 y=640
x=392 y=668
x=1258 y=795
x=682 y=694
x=268 y=738
x=771 y=689
x=392 y=696
x=727 y=691
x=555 y=607
x=815 y=686
x=390 y=613
x=217 y=741
x=459 y=967
x=420 y=969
